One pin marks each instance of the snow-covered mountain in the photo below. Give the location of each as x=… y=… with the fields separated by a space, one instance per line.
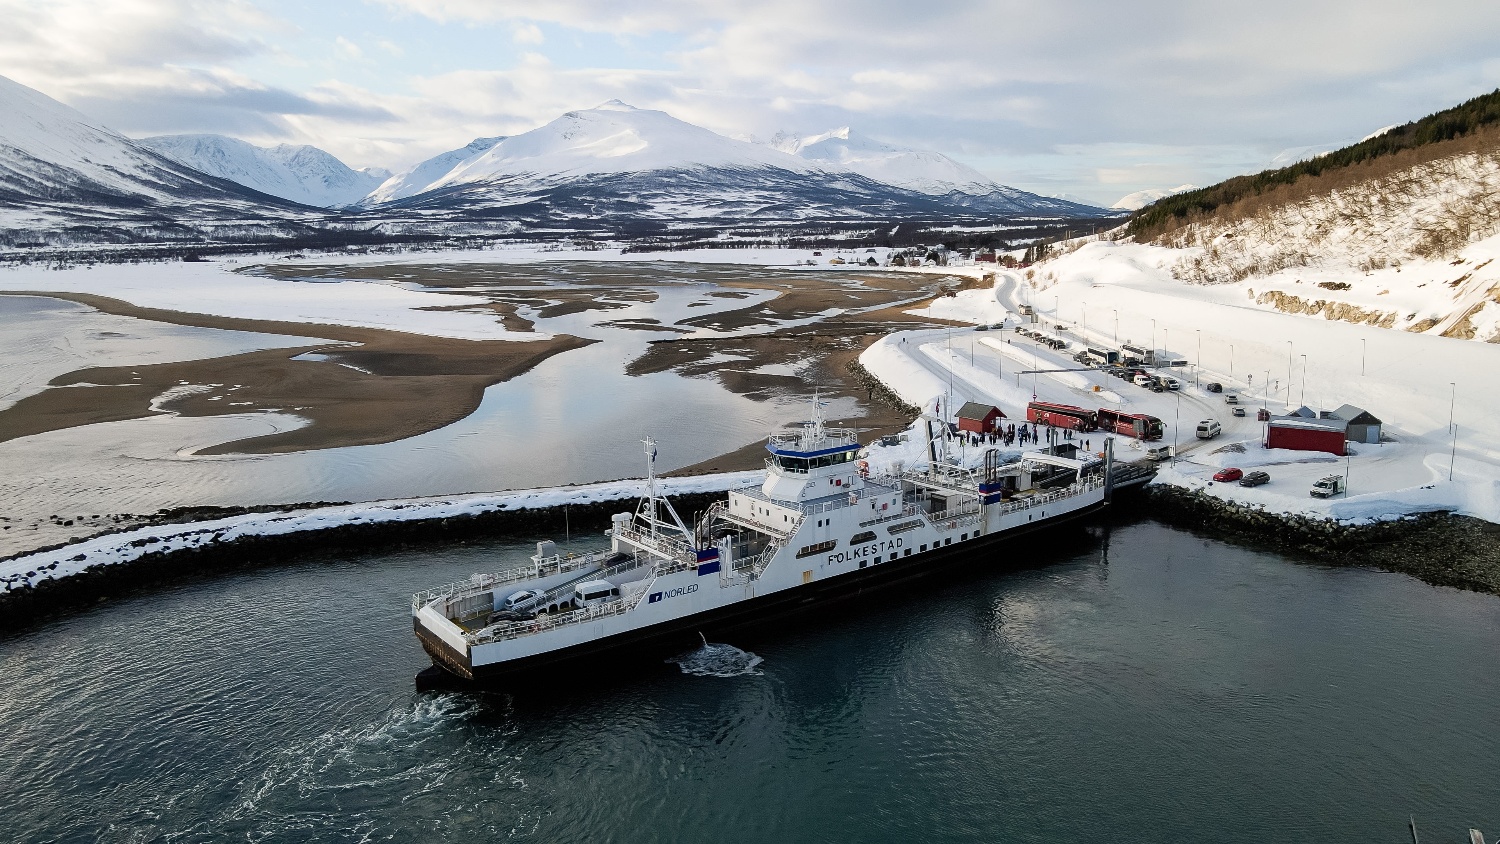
x=414 y=180
x=919 y=170
x=1141 y=198
x=303 y=174
x=651 y=166
x=65 y=176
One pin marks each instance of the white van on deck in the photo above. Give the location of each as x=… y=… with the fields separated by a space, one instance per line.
x=1209 y=428
x=592 y=593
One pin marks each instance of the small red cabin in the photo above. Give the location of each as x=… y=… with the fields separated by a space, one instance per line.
x=1302 y=434
x=979 y=418
x=1061 y=416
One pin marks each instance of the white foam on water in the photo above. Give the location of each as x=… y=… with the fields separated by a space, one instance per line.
x=715 y=659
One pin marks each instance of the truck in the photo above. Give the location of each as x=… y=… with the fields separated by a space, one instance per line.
x=1327 y=487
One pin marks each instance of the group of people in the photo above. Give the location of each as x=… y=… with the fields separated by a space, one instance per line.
x=1009 y=435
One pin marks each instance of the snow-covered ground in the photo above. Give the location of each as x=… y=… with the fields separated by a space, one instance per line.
x=213 y=289
x=1106 y=294
x=123 y=547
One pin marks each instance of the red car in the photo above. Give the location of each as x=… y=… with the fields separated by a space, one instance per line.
x=1230 y=474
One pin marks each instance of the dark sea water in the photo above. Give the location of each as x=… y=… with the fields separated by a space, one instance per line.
x=1139 y=684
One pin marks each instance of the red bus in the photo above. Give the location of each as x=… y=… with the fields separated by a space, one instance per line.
x=1061 y=416
x=1137 y=425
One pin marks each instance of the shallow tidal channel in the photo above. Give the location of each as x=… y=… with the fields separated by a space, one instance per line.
x=1135 y=682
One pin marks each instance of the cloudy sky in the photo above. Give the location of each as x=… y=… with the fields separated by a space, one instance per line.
x=1090 y=98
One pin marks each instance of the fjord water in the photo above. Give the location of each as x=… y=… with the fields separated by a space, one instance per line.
x=1136 y=683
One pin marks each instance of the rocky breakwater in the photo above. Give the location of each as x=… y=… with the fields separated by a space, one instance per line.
x=1440 y=548
x=44 y=583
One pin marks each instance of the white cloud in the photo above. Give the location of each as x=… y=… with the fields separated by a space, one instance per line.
x=347 y=49
x=527 y=33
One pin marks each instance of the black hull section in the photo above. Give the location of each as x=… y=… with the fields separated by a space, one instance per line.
x=680 y=634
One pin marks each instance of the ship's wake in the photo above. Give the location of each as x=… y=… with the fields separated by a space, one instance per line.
x=716 y=659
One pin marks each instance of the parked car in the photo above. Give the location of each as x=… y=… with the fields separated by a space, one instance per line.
x=1142 y=380
x=521 y=601
x=1209 y=428
x=1169 y=382
x=1231 y=398
x=1255 y=479
x=1214 y=387
x=1230 y=474
x=1327 y=487
x=1239 y=411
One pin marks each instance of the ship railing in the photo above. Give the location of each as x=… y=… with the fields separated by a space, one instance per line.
x=1077 y=488
x=544 y=567
x=675 y=553
x=954 y=516
x=831 y=437
x=547 y=621
x=905 y=512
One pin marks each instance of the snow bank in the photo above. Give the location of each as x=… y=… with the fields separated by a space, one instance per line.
x=124 y=547
x=888 y=360
x=975 y=306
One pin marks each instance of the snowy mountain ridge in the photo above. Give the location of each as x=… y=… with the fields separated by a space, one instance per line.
x=61 y=171
x=300 y=173
x=618 y=144
x=920 y=170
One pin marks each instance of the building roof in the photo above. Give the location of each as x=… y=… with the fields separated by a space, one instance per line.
x=1356 y=415
x=1305 y=412
x=1333 y=426
x=975 y=410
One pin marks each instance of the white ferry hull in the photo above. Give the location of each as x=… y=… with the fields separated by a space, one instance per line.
x=738 y=607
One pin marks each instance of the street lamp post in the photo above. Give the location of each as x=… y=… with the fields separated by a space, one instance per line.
x=1153 y=342
x=1083 y=330
x=1452 y=428
x=1116 y=335
x=1361 y=356
x=1231 y=361
x=1289 y=373
x=1303 y=400
x=1198 y=364
x=1176 y=428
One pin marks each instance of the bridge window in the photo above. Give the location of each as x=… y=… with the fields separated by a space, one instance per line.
x=816 y=548
x=792 y=464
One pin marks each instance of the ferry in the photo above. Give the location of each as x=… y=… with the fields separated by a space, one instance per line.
x=821 y=526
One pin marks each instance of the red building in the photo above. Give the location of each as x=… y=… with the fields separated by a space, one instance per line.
x=978 y=418
x=1303 y=434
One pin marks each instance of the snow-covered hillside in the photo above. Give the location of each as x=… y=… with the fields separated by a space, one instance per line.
x=1411 y=250
x=59 y=170
x=1141 y=198
x=303 y=174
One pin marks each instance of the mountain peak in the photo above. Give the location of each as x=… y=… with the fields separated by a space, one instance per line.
x=614 y=105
